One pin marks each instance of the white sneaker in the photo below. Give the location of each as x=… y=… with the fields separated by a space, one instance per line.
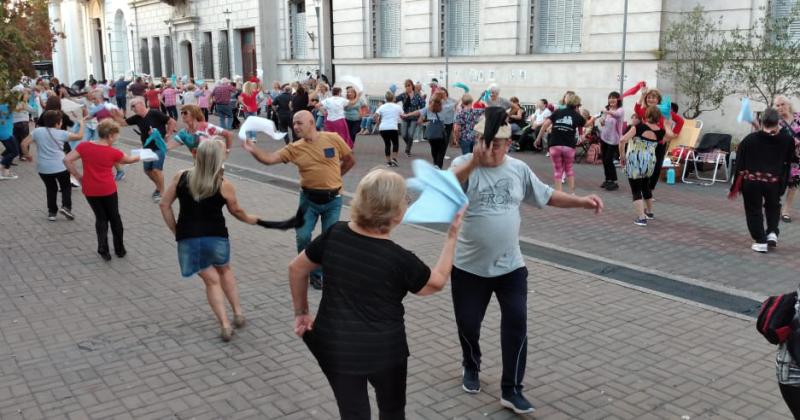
x=9 y=175
x=762 y=248
x=772 y=240
x=563 y=179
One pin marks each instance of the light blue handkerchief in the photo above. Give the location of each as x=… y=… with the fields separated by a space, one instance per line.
x=441 y=196
x=745 y=113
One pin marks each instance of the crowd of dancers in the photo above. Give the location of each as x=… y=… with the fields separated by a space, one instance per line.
x=358 y=334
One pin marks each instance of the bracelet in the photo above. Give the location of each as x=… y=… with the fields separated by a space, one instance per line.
x=298 y=312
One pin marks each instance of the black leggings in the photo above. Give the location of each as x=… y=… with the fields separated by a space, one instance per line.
x=205 y=113
x=52 y=182
x=106 y=211
x=609 y=152
x=791 y=394
x=391 y=139
x=390 y=392
x=353 y=127
x=640 y=189
x=661 y=151
x=438 y=150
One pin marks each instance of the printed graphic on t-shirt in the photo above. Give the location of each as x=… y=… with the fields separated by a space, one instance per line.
x=330 y=152
x=566 y=120
x=497 y=196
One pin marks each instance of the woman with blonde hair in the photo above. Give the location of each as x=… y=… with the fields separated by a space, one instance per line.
x=203 y=246
x=652 y=97
x=248 y=99
x=789 y=124
x=359 y=333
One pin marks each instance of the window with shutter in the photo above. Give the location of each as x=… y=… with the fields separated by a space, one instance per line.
x=144 y=56
x=297 y=29
x=224 y=55
x=559 y=24
x=169 y=66
x=207 y=52
x=389 y=28
x=156 y=51
x=782 y=9
x=460 y=26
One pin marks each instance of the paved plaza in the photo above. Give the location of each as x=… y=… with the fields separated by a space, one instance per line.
x=131 y=339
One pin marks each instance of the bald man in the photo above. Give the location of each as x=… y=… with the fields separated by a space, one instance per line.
x=322 y=159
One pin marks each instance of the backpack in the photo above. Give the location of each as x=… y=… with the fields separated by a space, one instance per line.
x=593 y=155
x=775 y=317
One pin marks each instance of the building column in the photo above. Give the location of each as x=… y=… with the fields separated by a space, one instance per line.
x=269 y=11
x=72 y=18
x=60 y=48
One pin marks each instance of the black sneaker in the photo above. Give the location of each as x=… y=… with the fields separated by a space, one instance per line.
x=613 y=186
x=316 y=282
x=517 y=403
x=51 y=217
x=471 y=381
x=67 y=213
x=106 y=256
x=640 y=222
x=121 y=254
x=605 y=185
x=649 y=216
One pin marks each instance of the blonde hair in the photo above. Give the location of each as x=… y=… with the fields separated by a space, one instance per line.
x=107 y=128
x=194 y=111
x=572 y=100
x=205 y=178
x=783 y=98
x=380 y=198
x=249 y=87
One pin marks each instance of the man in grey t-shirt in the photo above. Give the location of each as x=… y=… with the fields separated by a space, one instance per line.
x=488 y=258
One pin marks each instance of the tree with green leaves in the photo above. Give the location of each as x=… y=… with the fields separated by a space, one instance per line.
x=25 y=36
x=696 y=58
x=766 y=56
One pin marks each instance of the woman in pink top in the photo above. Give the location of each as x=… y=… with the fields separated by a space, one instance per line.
x=170 y=98
x=202 y=99
x=612 y=124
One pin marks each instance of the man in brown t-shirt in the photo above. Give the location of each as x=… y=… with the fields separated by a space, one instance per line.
x=322 y=159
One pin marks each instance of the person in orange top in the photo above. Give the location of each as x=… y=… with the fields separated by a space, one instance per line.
x=322 y=159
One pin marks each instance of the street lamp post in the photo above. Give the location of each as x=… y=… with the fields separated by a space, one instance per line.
x=168 y=22
x=446 y=48
x=111 y=53
x=227 y=13
x=133 y=50
x=317 y=6
x=624 y=36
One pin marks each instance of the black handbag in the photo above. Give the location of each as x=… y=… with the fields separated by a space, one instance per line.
x=435 y=129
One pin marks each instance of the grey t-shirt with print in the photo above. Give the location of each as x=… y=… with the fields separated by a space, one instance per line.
x=50 y=149
x=488 y=243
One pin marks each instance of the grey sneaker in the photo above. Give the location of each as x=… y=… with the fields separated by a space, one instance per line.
x=51 y=217
x=517 y=403
x=156 y=197
x=471 y=381
x=67 y=213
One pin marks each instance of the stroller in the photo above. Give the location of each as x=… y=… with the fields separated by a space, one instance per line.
x=591 y=140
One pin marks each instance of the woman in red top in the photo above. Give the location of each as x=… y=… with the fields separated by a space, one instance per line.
x=152 y=96
x=248 y=99
x=97 y=183
x=652 y=97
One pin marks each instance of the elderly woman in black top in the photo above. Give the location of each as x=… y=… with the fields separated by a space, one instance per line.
x=203 y=246
x=762 y=170
x=359 y=335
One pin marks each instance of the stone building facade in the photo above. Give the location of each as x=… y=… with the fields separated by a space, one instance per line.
x=531 y=48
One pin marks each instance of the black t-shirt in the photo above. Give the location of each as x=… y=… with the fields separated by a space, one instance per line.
x=281 y=104
x=359 y=327
x=765 y=153
x=299 y=103
x=565 y=126
x=153 y=119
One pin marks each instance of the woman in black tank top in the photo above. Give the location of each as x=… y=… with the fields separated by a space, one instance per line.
x=200 y=231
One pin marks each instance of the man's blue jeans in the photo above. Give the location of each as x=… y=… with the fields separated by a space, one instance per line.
x=225 y=114
x=328 y=212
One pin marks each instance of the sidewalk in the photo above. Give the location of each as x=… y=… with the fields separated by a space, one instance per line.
x=130 y=339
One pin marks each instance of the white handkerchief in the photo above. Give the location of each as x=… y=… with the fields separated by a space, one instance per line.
x=146 y=155
x=441 y=195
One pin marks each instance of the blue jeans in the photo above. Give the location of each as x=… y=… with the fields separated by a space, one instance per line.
x=471 y=296
x=12 y=151
x=466 y=146
x=320 y=121
x=328 y=212
x=407 y=130
x=225 y=114
x=368 y=123
x=250 y=134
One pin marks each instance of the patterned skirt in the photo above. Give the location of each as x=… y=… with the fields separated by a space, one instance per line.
x=640 y=159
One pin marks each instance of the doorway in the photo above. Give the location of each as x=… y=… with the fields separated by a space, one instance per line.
x=187 y=61
x=248 y=42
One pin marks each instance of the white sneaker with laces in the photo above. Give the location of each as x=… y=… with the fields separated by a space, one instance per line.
x=772 y=240
x=757 y=247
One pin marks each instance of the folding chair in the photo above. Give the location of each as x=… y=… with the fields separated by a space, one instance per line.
x=713 y=149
